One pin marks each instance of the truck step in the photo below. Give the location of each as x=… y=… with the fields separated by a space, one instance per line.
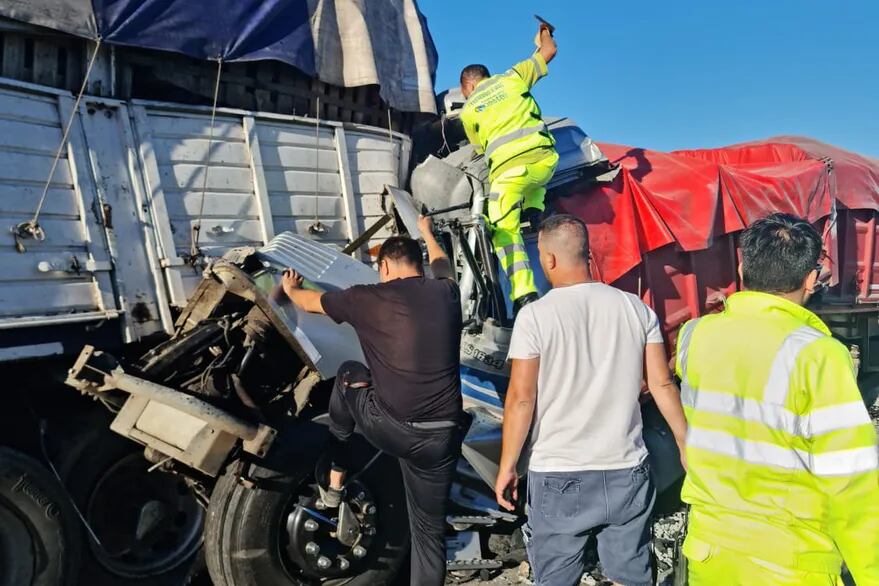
x=463 y=522
x=474 y=564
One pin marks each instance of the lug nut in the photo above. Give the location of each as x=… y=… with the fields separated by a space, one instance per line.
x=361 y=496
x=370 y=510
x=311 y=525
x=369 y=530
x=324 y=563
x=358 y=551
x=344 y=564
x=311 y=548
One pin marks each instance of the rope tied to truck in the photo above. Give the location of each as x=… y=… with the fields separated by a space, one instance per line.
x=316 y=226
x=32 y=229
x=195 y=252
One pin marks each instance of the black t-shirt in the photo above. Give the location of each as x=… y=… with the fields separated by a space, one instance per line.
x=410 y=331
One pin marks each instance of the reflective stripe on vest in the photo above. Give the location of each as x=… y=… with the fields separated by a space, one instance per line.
x=511 y=249
x=772 y=413
x=838 y=463
x=513 y=136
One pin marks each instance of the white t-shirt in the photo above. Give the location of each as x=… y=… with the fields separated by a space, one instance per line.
x=590 y=339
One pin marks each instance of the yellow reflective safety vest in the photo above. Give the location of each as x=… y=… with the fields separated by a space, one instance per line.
x=783 y=459
x=502 y=118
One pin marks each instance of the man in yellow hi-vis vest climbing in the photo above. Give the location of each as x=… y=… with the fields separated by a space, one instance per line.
x=502 y=118
x=783 y=476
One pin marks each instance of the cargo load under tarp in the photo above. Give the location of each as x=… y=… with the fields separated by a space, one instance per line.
x=666 y=227
x=345 y=43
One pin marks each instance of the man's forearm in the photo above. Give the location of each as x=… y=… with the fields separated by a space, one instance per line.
x=307 y=300
x=518 y=414
x=439 y=261
x=548 y=48
x=668 y=400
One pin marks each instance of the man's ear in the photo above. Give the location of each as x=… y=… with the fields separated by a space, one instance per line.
x=551 y=260
x=811 y=281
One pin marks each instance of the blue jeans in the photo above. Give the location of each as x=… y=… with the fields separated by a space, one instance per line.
x=565 y=508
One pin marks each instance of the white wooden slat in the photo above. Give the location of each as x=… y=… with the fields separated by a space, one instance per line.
x=61 y=233
x=358 y=141
x=189 y=126
x=260 y=191
x=295 y=134
x=228 y=232
x=155 y=198
x=371 y=161
x=145 y=221
x=300 y=159
x=26 y=136
x=303 y=182
x=373 y=182
x=38 y=109
x=190 y=177
x=346 y=185
x=236 y=205
x=194 y=150
x=336 y=230
x=25 y=267
x=284 y=205
x=35 y=298
x=87 y=196
x=23 y=199
x=20 y=167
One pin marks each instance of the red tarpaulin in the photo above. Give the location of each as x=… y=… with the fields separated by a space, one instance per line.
x=693 y=197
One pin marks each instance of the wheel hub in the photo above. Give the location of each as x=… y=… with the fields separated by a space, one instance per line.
x=331 y=543
x=147 y=523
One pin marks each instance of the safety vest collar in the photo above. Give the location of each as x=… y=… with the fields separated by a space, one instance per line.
x=756 y=302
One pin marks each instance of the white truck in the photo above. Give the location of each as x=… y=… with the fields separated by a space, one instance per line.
x=149 y=248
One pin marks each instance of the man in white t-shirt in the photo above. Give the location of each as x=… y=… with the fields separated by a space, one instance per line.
x=578 y=360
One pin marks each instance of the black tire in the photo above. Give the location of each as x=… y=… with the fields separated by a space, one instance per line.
x=39 y=531
x=244 y=532
x=85 y=464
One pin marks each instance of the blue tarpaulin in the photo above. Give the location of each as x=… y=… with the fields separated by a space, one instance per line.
x=231 y=30
x=359 y=42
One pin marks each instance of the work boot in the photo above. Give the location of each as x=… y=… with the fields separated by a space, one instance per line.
x=532 y=217
x=522 y=301
x=331 y=497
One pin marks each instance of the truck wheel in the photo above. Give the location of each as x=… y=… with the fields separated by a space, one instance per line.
x=259 y=532
x=149 y=523
x=39 y=532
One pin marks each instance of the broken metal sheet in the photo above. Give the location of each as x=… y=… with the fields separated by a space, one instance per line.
x=324 y=268
x=407 y=208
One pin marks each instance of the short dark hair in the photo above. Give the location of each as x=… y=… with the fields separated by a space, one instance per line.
x=474 y=71
x=573 y=228
x=402 y=249
x=778 y=253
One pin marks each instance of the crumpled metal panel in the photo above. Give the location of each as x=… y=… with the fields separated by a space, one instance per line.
x=323 y=265
x=326 y=343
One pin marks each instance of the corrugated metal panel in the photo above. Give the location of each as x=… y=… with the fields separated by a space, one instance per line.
x=67 y=274
x=267 y=174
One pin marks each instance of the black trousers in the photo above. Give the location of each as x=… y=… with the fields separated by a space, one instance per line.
x=428 y=458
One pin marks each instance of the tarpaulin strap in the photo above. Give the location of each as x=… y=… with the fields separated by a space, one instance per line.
x=194 y=250
x=32 y=228
x=513 y=136
x=316 y=227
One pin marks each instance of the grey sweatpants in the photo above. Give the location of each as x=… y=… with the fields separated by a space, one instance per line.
x=565 y=508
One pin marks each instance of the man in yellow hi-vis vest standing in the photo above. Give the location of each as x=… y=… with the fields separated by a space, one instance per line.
x=783 y=477
x=502 y=118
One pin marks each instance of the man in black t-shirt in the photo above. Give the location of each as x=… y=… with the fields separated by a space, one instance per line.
x=407 y=403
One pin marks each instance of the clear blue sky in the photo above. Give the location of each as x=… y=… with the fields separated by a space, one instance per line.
x=668 y=74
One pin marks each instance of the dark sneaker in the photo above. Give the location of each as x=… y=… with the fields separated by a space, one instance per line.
x=522 y=301
x=531 y=219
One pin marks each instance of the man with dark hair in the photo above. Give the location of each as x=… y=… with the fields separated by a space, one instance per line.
x=503 y=120
x=407 y=399
x=579 y=356
x=783 y=477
